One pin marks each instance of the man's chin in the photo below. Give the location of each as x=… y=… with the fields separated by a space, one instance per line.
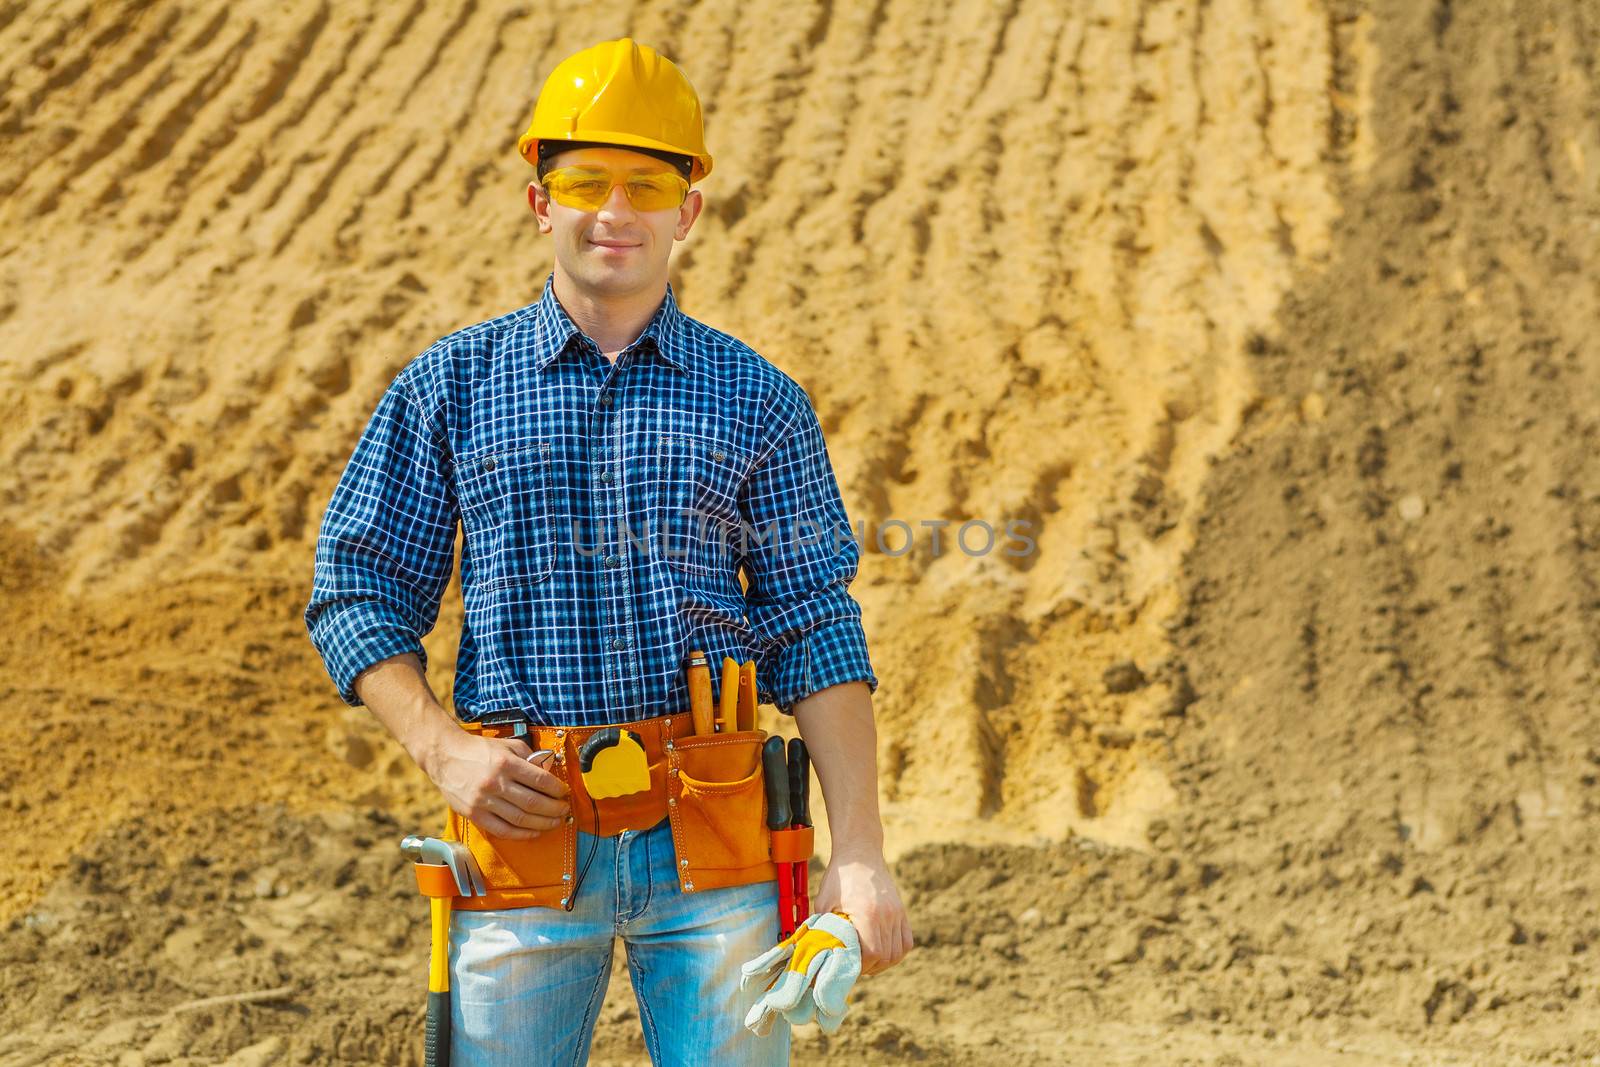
x=612 y=277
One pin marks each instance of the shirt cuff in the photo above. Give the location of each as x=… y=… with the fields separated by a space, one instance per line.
x=354 y=636
x=831 y=654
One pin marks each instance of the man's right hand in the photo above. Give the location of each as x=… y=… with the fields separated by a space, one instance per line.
x=490 y=781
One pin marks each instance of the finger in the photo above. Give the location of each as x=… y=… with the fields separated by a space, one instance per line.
x=897 y=952
x=536 y=778
x=534 y=802
x=889 y=947
x=892 y=947
x=516 y=817
x=518 y=747
x=495 y=826
x=871 y=955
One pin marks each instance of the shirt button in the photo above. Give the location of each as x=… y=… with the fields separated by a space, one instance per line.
x=605 y=476
x=488 y=464
x=619 y=643
x=605 y=399
x=719 y=456
x=613 y=560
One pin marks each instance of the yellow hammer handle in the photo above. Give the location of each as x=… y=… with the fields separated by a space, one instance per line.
x=439 y=952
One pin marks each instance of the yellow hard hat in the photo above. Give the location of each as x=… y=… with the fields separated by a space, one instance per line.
x=622 y=93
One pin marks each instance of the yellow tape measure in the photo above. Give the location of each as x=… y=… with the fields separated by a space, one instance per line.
x=613 y=764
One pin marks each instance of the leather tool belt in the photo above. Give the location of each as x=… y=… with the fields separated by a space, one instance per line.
x=708 y=787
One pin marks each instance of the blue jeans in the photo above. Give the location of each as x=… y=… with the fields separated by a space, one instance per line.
x=527 y=983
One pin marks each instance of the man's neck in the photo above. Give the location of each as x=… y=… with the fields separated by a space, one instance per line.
x=612 y=322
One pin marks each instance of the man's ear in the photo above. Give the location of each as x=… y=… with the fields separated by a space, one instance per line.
x=540 y=206
x=688 y=213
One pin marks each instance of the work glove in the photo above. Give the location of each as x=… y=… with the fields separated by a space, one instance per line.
x=808 y=975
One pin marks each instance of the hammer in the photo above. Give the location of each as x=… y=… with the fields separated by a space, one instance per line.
x=445 y=870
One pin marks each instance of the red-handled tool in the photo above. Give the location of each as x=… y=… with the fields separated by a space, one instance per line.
x=775 y=775
x=800 y=818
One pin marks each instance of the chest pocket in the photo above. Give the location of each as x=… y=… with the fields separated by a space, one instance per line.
x=701 y=524
x=506 y=513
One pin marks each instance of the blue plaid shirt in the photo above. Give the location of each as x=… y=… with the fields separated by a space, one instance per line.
x=607 y=508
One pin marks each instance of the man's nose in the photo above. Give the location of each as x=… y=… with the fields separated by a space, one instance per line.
x=617 y=202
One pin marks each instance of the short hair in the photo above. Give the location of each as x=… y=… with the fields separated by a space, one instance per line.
x=549 y=149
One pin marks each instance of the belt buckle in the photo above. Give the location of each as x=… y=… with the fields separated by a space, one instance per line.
x=521 y=727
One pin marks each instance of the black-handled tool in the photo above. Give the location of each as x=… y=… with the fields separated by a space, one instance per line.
x=800 y=815
x=799 y=783
x=775 y=775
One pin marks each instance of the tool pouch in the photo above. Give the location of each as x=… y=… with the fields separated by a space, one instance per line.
x=709 y=787
x=717 y=805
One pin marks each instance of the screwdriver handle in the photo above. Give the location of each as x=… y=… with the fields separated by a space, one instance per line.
x=699 y=672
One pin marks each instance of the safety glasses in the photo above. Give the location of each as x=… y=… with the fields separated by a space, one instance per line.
x=588 y=188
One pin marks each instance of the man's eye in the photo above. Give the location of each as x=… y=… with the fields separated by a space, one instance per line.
x=586 y=185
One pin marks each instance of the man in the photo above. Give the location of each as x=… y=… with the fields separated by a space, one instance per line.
x=574 y=439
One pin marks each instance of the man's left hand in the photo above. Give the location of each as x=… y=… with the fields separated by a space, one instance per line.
x=862 y=887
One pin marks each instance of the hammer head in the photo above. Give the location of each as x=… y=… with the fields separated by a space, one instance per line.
x=453 y=854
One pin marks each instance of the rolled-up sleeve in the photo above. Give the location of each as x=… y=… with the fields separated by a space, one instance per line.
x=386 y=547
x=799 y=561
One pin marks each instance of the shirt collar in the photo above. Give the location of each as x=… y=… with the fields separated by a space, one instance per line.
x=554 y=329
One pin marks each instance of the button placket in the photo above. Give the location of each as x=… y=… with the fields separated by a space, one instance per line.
x=623 y=680
x=606 y=510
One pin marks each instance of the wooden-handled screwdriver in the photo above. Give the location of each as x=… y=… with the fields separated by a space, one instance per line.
x=699 y=672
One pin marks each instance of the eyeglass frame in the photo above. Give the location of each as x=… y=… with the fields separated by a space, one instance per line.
x=541 y=180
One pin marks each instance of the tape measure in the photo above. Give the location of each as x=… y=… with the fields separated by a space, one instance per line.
x=613 y=763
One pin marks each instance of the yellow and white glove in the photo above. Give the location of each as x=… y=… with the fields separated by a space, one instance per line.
x=808 y=975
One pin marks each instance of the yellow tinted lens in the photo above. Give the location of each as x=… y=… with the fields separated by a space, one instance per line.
x=587 y=190
x=583 y=190
x=656 y=192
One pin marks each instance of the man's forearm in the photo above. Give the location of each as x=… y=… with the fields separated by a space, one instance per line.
x=837 y=725
x=397 y=693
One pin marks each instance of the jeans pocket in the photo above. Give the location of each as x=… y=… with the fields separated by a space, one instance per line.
x=722 y=801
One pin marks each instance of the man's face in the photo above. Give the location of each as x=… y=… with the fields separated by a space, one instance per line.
x=616 y=249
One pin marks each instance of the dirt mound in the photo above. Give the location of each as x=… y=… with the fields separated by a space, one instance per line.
x=1275 y=320
x=1028 y=228
x=1394 y=614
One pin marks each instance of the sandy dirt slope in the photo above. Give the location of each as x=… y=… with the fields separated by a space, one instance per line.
x=1276 y=319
